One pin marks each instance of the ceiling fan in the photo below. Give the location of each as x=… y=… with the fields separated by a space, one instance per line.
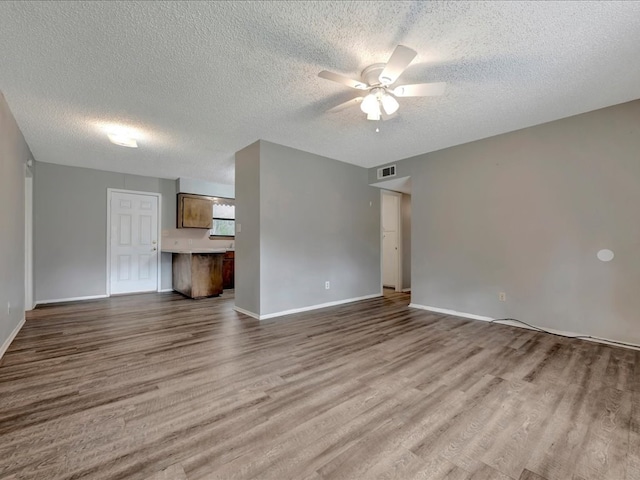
x=378 y=79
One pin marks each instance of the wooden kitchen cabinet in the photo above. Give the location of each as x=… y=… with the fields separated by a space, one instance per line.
x=194 y=211
x=228 y=270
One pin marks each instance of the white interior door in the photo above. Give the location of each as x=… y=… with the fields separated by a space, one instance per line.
x=390 y=241
x=133 y=228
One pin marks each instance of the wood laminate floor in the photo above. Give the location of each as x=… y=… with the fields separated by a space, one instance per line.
x=157 y=386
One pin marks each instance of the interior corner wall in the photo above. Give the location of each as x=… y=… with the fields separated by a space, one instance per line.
x=247 y=240
x=14 y=154
x=70 y=228
x=525 y=213
x=319 y=221
x=405 y=222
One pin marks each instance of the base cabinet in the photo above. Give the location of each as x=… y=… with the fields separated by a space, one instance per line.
x=197 y=275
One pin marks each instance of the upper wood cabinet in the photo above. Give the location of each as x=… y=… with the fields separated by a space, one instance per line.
x=194 y=211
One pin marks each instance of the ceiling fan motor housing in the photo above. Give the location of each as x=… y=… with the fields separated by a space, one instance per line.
x=371 y=74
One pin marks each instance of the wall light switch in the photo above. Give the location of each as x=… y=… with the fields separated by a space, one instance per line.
x=238 y=227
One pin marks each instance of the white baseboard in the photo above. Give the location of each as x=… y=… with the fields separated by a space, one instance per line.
x=472 y=316
x=70 y=299
x=12 y=336
x=582 y=336
x=451 y=312
x=306 y=309
x=165 y=290
x=406 y=290
x=247 y=312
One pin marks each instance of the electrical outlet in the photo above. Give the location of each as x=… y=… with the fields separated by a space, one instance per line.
x=327 y=285
x=190 y=242
x=502 y=297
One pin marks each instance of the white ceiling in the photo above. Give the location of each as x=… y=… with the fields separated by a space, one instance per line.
x=203 y=80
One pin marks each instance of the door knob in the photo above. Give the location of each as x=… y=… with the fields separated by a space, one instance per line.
x=153 y=249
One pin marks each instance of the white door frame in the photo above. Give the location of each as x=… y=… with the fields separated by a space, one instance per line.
x=133 y=192
x=28 y=239
x=399 y=237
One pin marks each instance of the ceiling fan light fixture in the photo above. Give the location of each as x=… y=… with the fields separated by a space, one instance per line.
x=389 y=104
x=373 y=116
x=370 y=104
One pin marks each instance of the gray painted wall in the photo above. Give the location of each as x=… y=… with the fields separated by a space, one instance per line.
x=202 y=187
x=247 y=241
x=319 y=221
x=70 y=227
x=405 y=221
x=14 y=154
x=525 y=213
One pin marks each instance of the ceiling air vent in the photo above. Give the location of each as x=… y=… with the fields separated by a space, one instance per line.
x=385 y=172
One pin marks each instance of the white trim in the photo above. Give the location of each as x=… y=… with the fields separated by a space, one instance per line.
x=165 y=290
x=510 y=323
x=12 y=336
x=159 y=227
x=406 y=290
x=607 y=341
x=446 y=311
x=246 y=312
x=306 y=309
x=70 y=299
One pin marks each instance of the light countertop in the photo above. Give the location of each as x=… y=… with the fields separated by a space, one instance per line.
x=196 y=250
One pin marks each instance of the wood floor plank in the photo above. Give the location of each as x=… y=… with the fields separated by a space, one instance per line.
x=174 y=472
x=529 y=475
x=156 y=386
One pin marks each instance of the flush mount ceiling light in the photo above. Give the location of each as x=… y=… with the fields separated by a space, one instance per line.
x=378 y=80
x=121 y=135
x=122 y=140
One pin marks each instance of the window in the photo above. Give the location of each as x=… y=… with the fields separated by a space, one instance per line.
x=224 y=218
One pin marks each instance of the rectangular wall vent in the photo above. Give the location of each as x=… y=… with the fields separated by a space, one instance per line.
x=385 y=172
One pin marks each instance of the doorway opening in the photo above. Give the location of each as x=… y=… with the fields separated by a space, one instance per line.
x=395 y=226
x=391 y=214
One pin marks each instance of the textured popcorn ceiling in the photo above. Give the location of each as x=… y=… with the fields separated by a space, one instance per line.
x=203 y=80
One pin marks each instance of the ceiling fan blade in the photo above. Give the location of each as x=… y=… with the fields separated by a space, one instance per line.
x=420 y=90
x=336 y=77
x=400 y=59
x=347 y=104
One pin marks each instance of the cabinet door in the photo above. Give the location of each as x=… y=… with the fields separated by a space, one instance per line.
x=194 y=211
x=228 y=265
